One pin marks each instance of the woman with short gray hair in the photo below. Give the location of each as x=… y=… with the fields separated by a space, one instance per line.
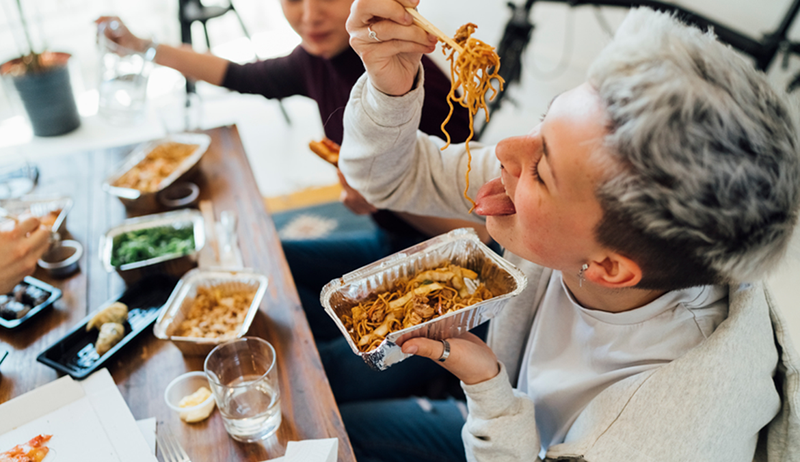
x=645 y=210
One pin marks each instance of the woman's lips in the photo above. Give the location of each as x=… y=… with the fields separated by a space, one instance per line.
x=317 y=36
x=493 y=200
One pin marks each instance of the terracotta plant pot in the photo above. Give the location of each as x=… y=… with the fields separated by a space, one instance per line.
x=46 y=95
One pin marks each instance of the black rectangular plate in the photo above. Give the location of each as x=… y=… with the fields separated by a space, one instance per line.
x=55 y=294
x=75 y=355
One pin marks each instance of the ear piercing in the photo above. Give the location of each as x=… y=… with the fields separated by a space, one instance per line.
x=584 y=267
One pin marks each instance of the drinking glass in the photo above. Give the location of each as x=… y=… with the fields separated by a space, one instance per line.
x=244 y=379
x=123 y=80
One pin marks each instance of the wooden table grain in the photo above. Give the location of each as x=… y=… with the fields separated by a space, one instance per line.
x=144 y=367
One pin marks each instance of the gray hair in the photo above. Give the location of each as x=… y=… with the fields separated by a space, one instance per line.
x=705 y=152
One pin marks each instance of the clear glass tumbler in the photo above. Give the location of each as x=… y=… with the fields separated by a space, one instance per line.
x=244 y=379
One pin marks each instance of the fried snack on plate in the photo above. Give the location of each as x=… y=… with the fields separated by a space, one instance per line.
x=427 y=296
x=115 y=312
x=36 y=450
x=327 y=150
x=110 y=334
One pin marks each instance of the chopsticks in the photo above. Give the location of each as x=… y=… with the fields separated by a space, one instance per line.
x=430 y=28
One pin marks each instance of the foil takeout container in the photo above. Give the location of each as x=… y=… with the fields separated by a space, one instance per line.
x=459 y=247
x=141 y=201
x=173 y=265
x=180 y=302
x=40 y=206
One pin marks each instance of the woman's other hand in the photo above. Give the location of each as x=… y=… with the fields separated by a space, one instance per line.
x=20 y=250
x=352 y=199
x=471 y=360
x=116 y=31
x=392 y=55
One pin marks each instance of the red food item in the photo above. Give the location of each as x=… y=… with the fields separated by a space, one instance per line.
x=36 y=453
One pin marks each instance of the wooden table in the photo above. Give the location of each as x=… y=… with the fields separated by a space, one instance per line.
x=144 y=367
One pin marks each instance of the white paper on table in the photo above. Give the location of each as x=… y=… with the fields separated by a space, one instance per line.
x=88 y=420
x=147 y=427
x=324 y=450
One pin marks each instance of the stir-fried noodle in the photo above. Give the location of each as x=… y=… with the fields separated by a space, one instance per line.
x=428 y=295
x=472 y=71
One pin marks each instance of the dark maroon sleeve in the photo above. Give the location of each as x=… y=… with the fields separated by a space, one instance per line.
x=272 y=78
x=435 y=108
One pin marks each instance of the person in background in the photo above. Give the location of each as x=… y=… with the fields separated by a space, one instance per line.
x=646 y=208
x=22 y=243
x=324 y=67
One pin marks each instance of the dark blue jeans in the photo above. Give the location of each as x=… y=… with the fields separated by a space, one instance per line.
x=405 y=430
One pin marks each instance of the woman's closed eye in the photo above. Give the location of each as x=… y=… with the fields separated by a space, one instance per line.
x=535 y=170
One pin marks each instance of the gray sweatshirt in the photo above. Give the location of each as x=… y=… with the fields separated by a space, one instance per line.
x=736 y=394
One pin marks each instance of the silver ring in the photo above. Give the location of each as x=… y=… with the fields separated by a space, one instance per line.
x=373 y=35
x=446 y=352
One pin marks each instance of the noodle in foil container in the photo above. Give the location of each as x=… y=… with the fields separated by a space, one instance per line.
x=460 y=247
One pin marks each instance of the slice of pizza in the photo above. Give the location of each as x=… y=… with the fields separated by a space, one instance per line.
x=326 y=149
x=34 y=450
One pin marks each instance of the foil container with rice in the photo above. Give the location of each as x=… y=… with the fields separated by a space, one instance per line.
x=163 y=243
x=460 y=247
x=209 y=307
x=50 y=210
x=141 y=176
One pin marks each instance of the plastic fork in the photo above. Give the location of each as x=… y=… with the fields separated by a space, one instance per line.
x=171 y=449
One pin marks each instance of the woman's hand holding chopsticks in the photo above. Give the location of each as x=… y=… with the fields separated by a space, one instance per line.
x=383 y=33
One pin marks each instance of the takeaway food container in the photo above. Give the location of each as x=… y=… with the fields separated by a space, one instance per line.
x=180 y=302
x=142 y=201
x=174 y=265
x=460 y=247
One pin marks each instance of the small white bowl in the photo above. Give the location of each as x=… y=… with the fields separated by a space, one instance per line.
x=184 y=385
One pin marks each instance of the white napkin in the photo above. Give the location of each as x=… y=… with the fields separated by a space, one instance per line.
x=324 y=450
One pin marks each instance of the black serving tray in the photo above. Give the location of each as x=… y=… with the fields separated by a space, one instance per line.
x=55 y=294
x=74 y=354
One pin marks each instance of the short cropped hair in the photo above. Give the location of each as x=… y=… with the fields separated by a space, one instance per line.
x=705 y=176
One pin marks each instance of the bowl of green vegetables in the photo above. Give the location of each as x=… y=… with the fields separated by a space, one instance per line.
x=160 y=243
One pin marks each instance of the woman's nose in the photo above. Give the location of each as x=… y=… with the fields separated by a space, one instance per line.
x=310 y=11
x=512 y=151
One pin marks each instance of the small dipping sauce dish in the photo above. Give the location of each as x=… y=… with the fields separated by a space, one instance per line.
x=179 y=195
x=62 y=260
x=184 y=396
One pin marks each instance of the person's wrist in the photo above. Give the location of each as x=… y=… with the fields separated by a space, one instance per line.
x=149 y=50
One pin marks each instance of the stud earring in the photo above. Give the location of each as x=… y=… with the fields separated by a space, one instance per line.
x=584 y=267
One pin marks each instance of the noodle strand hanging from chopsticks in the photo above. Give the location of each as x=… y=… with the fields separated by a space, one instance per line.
x=472 y=70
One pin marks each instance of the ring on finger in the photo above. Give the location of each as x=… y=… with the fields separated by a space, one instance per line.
x=372 y=34
x=446 y=352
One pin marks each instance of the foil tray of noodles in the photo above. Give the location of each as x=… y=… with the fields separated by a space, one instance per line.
x=438 y=289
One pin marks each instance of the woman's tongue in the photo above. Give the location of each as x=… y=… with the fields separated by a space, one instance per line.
x=493 y=200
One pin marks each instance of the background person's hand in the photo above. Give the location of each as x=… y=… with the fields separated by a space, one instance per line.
x=471 y=360
x=393 y=60
x=352 y=199
x=20 y=249
x=116 y=31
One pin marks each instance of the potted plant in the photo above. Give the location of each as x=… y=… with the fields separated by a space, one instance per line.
x=42 y=81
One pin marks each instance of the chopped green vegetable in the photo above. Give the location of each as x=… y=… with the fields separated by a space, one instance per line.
x=145 y=244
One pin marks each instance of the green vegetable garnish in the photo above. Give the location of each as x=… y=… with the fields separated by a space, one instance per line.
x=145 y=244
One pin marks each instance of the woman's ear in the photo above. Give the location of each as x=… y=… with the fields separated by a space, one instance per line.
x=614 y=272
